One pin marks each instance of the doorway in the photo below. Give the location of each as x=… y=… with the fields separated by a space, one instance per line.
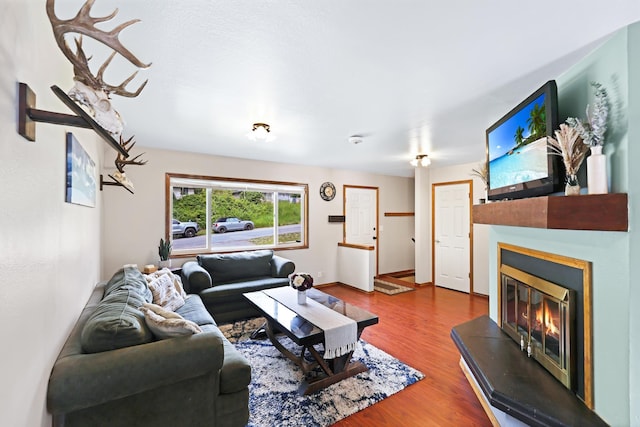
x=451 y=245
x=361 y=218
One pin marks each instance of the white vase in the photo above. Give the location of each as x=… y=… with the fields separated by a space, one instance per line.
x=597 y=171
x=165 y=263
x=302 y=297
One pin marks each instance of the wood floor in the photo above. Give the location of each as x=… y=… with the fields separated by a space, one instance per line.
x=414 y=327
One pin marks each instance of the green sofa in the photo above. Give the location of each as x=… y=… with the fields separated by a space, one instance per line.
x=113 y=372
x=221 y=279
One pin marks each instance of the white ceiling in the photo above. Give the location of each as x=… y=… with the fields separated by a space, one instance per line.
x=409 y=76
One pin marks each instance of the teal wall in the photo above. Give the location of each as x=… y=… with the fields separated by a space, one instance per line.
x=616 y=302
x=633 y=153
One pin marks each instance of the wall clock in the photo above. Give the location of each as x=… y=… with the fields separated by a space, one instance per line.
x=327 y=191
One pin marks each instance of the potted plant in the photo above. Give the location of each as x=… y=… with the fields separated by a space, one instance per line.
x=482 y=172
x=164 y=250
x=301 y=282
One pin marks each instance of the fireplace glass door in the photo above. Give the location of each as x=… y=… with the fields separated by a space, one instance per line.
x=538 y=315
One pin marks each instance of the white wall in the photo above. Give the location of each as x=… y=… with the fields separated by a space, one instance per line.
x=50 y=250
x=356 y=267
x=133 y=224
x=422 y=226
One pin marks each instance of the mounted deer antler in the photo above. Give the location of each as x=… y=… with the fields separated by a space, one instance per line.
x=121 y=162
x=91 y=90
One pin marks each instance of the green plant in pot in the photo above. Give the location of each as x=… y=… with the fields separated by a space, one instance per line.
x=164 y=250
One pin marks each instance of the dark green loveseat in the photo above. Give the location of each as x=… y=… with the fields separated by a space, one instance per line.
x=133 y=379
x=221 y=279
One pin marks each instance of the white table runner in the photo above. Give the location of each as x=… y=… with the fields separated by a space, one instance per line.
x=340 y=332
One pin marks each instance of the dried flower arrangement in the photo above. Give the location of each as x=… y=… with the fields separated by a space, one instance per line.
x=481 y=172
x=592 y=129
x=569 y=145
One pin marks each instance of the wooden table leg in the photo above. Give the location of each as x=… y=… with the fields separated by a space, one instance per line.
x=334 y=370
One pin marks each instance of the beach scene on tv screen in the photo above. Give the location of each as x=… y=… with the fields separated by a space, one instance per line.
x=518 y=147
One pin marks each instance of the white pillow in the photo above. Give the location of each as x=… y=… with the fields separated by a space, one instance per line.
x=165 y=293
x=176 y=280
x=163 y=328
x=167 y=314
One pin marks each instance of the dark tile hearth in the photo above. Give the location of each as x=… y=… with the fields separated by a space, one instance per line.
x=515 y=384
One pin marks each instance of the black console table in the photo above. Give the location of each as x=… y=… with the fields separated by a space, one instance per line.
x=515 y=384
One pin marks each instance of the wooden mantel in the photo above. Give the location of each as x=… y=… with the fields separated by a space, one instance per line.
x=602 y=212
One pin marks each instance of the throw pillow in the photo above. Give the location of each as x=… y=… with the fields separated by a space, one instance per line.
x=128 y=277
x=116 y=323
x=176 y=280
x=157 y=309
x=165 y=294
x=163 y=328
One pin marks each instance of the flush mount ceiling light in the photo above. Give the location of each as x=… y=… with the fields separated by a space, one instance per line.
x=355 y=139
x=421 y=160
x=261 y=132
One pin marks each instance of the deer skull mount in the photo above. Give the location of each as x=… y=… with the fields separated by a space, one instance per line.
x=90 y=90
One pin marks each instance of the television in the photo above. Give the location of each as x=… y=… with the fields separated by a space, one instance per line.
x=519 y=161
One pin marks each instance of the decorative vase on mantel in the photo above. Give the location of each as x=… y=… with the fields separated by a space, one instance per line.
x=572 y=187
x=597 y=171
x=302 y=297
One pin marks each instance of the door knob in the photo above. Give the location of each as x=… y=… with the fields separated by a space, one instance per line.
x=437 y=241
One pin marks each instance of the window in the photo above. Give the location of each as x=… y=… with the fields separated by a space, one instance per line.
x=213 y=214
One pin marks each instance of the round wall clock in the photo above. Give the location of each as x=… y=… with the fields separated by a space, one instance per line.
x=327 y=191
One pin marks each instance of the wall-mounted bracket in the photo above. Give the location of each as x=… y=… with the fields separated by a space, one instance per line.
x=113 y=182
x=28 y=115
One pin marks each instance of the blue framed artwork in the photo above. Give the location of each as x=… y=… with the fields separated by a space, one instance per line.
x=81 y=175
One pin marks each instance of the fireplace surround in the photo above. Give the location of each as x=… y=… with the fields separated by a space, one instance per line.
x=563 y=284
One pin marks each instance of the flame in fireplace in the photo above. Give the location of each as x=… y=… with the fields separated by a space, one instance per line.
x=550 y=323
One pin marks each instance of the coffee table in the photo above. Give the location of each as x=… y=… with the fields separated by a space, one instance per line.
x=319 y=372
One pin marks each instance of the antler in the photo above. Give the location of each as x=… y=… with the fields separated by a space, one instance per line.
x=121 y=162
x=84 y=24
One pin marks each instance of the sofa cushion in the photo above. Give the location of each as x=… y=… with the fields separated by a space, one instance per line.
x=165 y=293
x=129 y=277
x=228 y=267
x=194 y=310
x=244 y=286
x=167 y=324
x=116 y=323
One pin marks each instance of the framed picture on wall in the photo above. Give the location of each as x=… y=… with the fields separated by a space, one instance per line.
x=81 y=174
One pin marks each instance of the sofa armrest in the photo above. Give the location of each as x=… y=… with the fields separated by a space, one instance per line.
x=195 y=278
x=281 y=267
x=85 y=380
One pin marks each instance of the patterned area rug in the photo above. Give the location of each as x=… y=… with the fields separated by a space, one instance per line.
x=273 y=392
x=390 y=288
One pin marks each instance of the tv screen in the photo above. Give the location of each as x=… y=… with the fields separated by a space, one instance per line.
x=518 y=159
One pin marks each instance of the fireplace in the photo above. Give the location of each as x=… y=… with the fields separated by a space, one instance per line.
x=539 y=315
x=545 y=307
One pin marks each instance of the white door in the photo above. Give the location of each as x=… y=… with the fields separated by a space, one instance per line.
x=361 y=211
x=452 y=237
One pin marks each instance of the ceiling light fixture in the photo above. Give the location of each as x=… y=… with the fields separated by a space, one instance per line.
x=261 y=132
x=421 y=160
x=355 y=139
